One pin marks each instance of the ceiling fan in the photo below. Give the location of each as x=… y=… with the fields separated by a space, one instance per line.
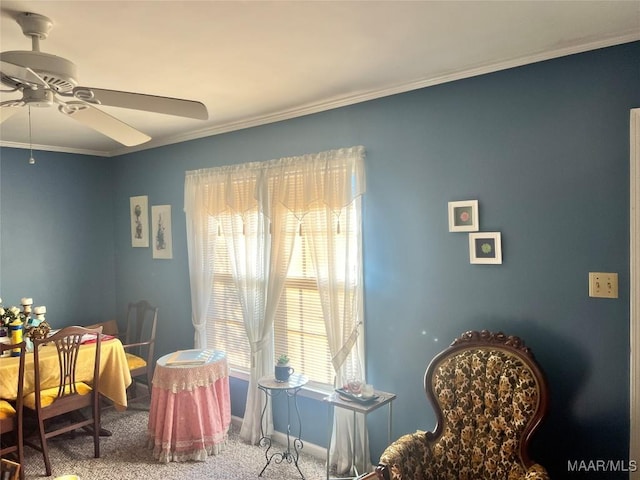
x=46 y=80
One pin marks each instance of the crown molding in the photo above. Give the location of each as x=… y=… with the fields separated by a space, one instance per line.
x=53 y=148
x=361 y=97
x=351 y=99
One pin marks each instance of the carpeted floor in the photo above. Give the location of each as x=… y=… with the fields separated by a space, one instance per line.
x=124 y=456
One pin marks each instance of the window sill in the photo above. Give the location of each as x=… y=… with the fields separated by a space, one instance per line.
x=315 y=391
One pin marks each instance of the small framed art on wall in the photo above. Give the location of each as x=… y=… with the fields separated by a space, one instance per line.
x=139 y=211
x=162 y=238
x=485 y=247
x=463 y=216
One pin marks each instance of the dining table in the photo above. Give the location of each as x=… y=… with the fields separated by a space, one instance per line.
x=114 y=371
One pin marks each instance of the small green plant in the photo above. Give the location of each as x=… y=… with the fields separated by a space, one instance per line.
x=283 y=359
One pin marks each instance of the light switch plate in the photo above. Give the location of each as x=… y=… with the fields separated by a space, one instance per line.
x=603 y=285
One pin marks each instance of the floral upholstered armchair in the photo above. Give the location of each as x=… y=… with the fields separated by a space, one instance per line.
x=489 y=396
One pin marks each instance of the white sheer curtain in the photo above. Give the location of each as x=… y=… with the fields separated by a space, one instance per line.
x=264 y=199
x=239 y=200
x=260 y=252
x=333 y=233
x=196 y=204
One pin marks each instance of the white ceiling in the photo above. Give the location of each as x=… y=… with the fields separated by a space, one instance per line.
x=255 y=62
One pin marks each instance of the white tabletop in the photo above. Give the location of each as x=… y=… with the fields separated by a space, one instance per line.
x=211 y=357
x=296 y=380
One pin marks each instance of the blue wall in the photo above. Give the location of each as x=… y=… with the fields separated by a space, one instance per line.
x=545 y=150
x=56 y=234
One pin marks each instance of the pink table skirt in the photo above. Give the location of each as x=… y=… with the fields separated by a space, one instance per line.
x=189 y=422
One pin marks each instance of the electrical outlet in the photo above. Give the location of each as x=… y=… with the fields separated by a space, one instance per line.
x=603 y=285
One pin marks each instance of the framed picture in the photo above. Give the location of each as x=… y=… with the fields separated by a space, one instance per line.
x=9 y=470
x=485 y=247
x=161 y=227
x=463 y=216
x=139 y=210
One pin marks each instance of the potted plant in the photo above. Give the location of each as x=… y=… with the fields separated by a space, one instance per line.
x=282 y=369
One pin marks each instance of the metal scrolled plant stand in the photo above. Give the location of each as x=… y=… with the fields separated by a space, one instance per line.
x=273 y=388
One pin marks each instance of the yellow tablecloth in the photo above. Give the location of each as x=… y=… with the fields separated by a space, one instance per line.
x=114 y=372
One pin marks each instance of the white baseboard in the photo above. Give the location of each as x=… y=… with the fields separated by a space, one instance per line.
x=312 y=449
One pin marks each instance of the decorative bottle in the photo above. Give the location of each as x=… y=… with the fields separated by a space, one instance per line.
x=16 y=328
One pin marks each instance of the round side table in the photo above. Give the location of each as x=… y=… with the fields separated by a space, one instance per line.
x=273 y=388
x=190 y=408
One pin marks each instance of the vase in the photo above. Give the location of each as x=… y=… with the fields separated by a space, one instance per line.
x=283 y=372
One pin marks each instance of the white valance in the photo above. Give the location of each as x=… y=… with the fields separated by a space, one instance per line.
x=297 y=183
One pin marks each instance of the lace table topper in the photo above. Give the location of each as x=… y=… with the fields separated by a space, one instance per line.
x=188 y=377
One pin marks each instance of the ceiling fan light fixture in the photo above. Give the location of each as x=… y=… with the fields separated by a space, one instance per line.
x=38 y=98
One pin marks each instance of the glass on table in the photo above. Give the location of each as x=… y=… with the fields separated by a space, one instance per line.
x=354 y=386
x=367 y=390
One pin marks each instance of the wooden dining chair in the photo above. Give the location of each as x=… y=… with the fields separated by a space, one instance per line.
x=11 y=412
x=70 y=395
x=139 y=342
x=109 y=327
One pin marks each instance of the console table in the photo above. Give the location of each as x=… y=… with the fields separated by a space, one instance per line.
x=335 y=400
x=272 y=388
x=190 y=409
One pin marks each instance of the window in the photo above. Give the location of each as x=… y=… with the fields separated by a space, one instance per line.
x=275 y=251
x=299 y=328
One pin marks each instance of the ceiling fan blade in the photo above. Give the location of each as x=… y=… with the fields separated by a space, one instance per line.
x=8 y=111
x=23 y=75
x=139 y=101
x=104 y=123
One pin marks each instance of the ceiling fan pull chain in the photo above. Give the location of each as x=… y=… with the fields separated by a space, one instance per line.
x=32 y=160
